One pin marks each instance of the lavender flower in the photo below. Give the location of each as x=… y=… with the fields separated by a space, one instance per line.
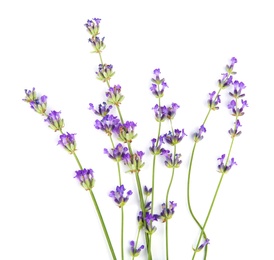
x=55 y=122
x=227 y=79
x=118 y=195
x=133 y=250
x=114 y=95
x=39 y=105
x=30 y=95
x=229 y=68
x=167 y=213
x=206 y=242
x=86 y=178
x=105 y=72
x=108 y=124
x=93 y=26
x=238 y=87
x=149 y=219
x=103 y=109
x=237 y=111
x=174 y=138
x=234 y=132
x=97 y=44
x=156 y=149
x=160 y=113
x=147 y=191
x=126 y=132
x=172 y=162
x=117 y=153
x=68 y=142
x=213 y=101
x=156 y=91
x=157 y=79
x=223 y=167
x=199 y=136
x=172 y=111
x=134 y=161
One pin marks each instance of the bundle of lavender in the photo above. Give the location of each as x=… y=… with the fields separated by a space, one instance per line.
x=122 y=142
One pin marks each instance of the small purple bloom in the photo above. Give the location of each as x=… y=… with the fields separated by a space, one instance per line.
x=156 y=91
x=156 y=145
x=147 y=191
x=118 y=195
x=213 y=101
x=114 y=95
x=126 y=132
x=133 y=249
x=171 y=162
x=174 y=138
x=149 y=219
x=86 y=178
x=39 y=105
x=103 y=109
x=30 y=95
x=234 y=132
x=172 y=110
x=157 y=79
x=199 y=136
x=105 y=72
x=134 y=161
x=223 y=167
x=167 y=213
x=206 y=242
x=238 y=87
x=56 y=123
x=117 y=153
x=108 y=124
x=68 y=142
x=160 y=113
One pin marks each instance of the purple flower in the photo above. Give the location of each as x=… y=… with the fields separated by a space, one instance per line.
x=93 y=26
x=86 y=178
x=172 y=111
x=157 y=79
x=30 y=95
x=105 y=72
x=117 y=153
x=108 y=124
x=160 y=113
x=133 y=250
x=134 y=161
x=199 y=136
x=147 y=191
x=126 y=132
x=68 y=142
x=103 y=109
x=234 y=132
x=39 y=105
x=97 y=44
x=213 y=101
x=174 y=138
x=118 y=195
x=114 y=95
x=156 y=91
x=229 y=68
x=167 y=213
x=223 y=167
x=155 y=148
x=171 y=162
x=235 y=110
x=149 y=219
x=206 y=242
x=238 y=87
x=56 y=123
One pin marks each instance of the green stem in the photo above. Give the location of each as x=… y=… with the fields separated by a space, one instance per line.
x=98 y=213
x=122 y=232
x=102 y=224
x=207 y=217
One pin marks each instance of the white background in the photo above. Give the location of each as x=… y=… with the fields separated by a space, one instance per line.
x=44 y=212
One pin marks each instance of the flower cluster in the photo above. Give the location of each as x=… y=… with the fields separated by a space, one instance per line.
x=122 y=135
